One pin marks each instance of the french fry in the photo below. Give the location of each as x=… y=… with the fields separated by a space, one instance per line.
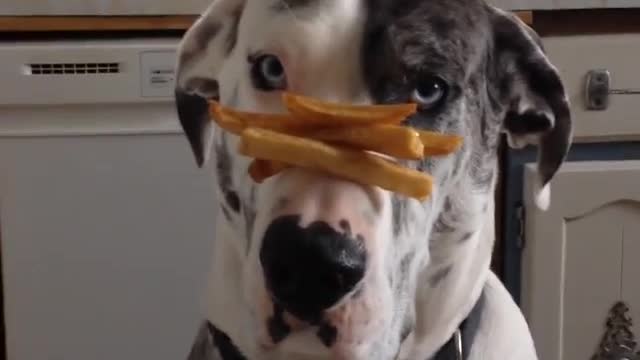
x=397 y=141
x=330 y=114
x=224 y=120
x=353 y=165
x=439 y=144
x=261 y=169
x=387 y=139
x=235 y=121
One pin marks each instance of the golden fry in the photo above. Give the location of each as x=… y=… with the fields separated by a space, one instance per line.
x=328 y=114
x=233 y=119
x=261 y=169
x=398 y=141
x=439 y=144
x=224 y=120
x=352 y=165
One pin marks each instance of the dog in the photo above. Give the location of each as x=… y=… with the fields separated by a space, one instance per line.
x=308 y=266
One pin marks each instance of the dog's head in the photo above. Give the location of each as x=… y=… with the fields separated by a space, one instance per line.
x=335 y=256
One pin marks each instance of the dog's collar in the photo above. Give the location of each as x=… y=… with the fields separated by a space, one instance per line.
x=228 y=351
x=452 y=350
x=457 y=348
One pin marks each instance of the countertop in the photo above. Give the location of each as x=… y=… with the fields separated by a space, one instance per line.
x=194 y=7
x=115 y=23
x=564 y=4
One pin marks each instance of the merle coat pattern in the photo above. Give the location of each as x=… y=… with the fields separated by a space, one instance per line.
x=421 y=267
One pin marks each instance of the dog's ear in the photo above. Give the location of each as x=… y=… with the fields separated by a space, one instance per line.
x=201 y=54
x=537 y=110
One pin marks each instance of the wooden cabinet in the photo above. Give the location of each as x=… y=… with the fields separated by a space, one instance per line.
x=581 y=256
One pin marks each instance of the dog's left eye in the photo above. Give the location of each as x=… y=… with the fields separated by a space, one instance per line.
x=267 y=73
x=429 y=92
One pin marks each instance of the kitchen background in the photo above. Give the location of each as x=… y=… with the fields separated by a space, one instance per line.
x=106 y=224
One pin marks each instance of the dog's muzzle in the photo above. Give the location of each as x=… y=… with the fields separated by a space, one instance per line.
x=308 y=270
x=318 y=244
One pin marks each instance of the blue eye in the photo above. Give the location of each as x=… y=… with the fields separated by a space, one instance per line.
x=267 y=73
x=430 y=92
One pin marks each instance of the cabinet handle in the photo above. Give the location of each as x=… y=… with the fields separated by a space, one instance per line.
x=598 y=90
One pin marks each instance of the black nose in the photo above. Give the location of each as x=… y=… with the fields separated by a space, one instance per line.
x=310 y=269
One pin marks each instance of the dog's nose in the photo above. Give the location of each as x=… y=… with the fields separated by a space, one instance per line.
x=308 y=270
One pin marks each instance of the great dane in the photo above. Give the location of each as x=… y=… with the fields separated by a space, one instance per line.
x=308 y=266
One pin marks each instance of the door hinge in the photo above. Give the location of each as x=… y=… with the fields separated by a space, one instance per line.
x=520 y=227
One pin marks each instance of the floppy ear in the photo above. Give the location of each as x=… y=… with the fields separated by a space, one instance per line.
x=537 y=108
x=201 y=53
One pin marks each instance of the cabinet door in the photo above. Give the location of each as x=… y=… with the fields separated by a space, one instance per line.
x=581 y=256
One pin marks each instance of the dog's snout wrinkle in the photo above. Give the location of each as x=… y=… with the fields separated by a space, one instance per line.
x=308 y=270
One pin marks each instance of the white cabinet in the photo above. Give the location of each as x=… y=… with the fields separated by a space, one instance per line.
x=575 y=56
x=106 y=244
x=581 y=256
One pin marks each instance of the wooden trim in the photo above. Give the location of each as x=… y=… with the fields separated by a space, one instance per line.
x=94 y=23
x=115 y=23
x=586 y=22
x=526 y=16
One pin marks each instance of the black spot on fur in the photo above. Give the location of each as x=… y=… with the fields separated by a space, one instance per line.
x=232 y=36
x=442 y=25
x=226 y=213
x=286 y=5
x=204 y=34
x=282 y=203
x=399 y=214
x=466 y=237
x=407 y=328
x=224 y=167
x=405 y=264
x=471 y=325
x=225 y=346
x=328 y=334
x=440 y=275
x=250 y=216
x=359 y=291
x=202 y=347
x=482 y=177
x=345 y=226
x=442 y=227
x=233 y=200
x=529 y=122
x=276 y=326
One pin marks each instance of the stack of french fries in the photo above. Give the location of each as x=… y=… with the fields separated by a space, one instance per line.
x=355 y=142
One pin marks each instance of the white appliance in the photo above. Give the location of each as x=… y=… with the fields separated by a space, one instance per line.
x=106 y=222
x=102 y=7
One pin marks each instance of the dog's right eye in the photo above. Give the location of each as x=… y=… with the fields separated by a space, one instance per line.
x=267 y=73
x=430 y=92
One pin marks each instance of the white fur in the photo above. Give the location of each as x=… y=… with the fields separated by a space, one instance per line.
x=328 y=41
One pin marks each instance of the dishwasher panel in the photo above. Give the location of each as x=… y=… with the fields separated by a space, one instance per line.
x=106 y=245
